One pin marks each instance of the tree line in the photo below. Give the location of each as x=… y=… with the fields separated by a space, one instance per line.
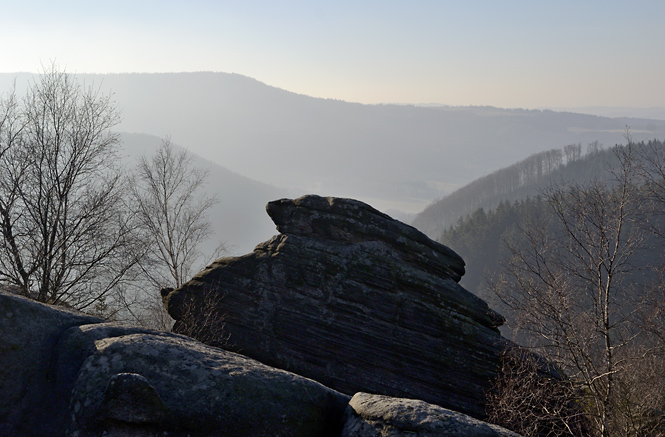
x=518 y=181
x=77 y=229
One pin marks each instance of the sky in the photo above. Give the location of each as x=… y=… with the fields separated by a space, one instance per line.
x=511 y=54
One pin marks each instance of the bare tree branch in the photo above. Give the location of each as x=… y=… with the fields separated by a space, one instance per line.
x=573 y=282
x=65 y=237
x=166 y=190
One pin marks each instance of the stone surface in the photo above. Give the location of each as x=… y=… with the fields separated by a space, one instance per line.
x=29 y=334
x=358 y=301
x=382 y=416
x=64 y=373
x=186 y=387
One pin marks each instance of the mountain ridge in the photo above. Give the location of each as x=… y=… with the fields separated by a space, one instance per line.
x=515 y=182
x=395 y=157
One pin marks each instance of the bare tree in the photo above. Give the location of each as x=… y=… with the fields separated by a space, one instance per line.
x=573 y=284
x=593 y=147
x=172 y=210
x=64 y=236
x=652 y=171
x=573 y=152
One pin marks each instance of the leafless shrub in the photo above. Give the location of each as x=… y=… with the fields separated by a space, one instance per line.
x=533 y=400
x=203 y=319
x=580 y=287
x=640 y=399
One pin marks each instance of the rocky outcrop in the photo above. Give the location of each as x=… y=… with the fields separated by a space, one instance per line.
x=360 y=302
x=65 y=373
x=382 y=416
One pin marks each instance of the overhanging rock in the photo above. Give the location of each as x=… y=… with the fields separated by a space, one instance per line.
x=358 y=301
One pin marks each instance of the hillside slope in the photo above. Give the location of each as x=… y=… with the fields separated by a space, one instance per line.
x=516 y=182
x=239 y=219
x=480 y=235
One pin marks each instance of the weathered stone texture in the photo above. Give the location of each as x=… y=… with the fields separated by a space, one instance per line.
x=358 y=301
x=29 y=334
x=175 y=384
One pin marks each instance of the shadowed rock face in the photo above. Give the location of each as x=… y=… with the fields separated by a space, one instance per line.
x=350 y=221
x=358 y=301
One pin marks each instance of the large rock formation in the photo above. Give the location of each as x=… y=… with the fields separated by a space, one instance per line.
x=351 y=298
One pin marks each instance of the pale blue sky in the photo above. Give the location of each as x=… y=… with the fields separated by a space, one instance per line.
x=525 y=54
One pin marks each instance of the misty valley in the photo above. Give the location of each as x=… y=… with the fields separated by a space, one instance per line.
x=499 y=267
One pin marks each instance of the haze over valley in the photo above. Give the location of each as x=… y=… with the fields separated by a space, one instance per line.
x=470 y=194
x=261 y=142
x=397 y=106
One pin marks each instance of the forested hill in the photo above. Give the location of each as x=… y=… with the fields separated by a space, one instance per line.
x=479 y=237
x=573 y=162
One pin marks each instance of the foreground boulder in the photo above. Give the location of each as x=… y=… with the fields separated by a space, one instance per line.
x=382 y=416
x=351 y=298
x=64 y=373
x=175 y=384
x=29 y=334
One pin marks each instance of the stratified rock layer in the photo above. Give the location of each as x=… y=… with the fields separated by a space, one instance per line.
x=358 y=301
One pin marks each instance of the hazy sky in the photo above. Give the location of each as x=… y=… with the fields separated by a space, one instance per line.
x=502 y=53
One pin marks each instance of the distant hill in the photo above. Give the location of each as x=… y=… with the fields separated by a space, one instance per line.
x=573 y=163
x=395 y=157
x=654 y=113
x=239 y=219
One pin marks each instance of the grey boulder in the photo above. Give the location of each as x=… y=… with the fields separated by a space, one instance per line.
x=381 y=416
x=175 y=384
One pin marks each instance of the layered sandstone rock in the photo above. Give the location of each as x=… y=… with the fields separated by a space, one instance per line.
x=65 y=373
x=360 y=302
